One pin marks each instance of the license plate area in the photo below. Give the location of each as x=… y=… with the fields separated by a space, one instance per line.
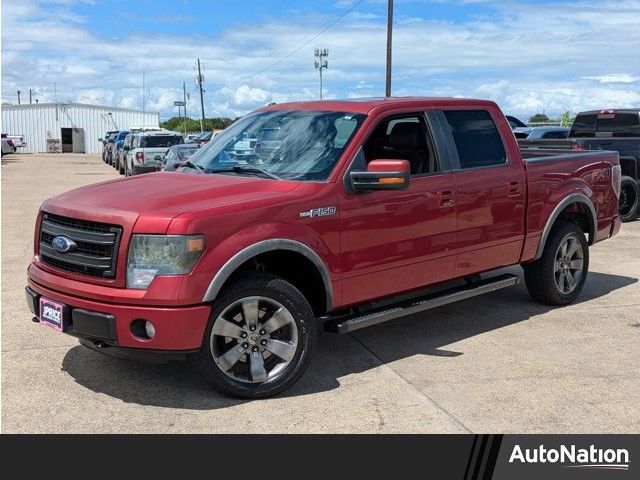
x=52 y=314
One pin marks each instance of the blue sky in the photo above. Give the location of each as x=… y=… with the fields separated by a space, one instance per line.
x=529 y=56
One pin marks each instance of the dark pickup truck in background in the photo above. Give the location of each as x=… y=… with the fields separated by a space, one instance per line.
x=615 y=130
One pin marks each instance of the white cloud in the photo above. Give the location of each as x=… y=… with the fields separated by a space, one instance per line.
x=614 y=78
x=80 y=70
x=526 y=56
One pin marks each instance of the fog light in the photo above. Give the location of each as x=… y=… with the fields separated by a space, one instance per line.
x=149 y=329
x=142 y=329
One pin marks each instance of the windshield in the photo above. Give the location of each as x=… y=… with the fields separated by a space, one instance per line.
x=159 y=141
x=298 y=145
x=185 y=152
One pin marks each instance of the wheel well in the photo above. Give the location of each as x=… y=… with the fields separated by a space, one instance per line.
x=629 y=167
x=579 y=214
x=293 y=267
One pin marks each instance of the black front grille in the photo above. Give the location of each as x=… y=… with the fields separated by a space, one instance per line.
x=96 y=251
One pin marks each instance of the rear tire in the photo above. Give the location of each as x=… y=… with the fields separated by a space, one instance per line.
x=264 y=337
x=629 y=199
x=558 y=277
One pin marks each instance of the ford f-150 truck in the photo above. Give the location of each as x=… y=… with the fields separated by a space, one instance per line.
x=366 y=211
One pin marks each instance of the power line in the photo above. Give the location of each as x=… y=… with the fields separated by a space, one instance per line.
x=307 y=42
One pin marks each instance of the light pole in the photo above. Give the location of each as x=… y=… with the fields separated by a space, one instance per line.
x=321 y=63
x=389 y=46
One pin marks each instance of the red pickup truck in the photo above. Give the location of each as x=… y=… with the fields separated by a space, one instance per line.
x=343 y=213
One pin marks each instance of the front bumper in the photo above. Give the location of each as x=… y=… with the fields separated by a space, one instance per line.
x=178 y=329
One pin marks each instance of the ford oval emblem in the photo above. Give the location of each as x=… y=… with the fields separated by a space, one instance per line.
x=63 y=244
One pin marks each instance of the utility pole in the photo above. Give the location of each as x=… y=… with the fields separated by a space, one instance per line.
x=321 y=63
x=184 y=98
x=18 y=97
x=389 y=45
x=30 y=91
x=200 y=81
x=144 y=116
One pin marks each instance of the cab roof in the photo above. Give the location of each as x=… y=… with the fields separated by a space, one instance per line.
x=366 y=105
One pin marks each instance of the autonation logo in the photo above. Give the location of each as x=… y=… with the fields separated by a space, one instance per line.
x=573 y=457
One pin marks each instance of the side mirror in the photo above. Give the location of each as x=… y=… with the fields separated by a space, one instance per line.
x=382 y=174
x=100 y=139
x=126 y=147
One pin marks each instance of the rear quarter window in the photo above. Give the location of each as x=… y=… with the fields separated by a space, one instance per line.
x=477 y=139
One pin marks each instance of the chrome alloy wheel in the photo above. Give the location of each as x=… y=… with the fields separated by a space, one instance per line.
x=254 y=339
x=568 y=266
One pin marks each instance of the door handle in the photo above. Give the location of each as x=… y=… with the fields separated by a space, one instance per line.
x=446 y=198
x=515 y=190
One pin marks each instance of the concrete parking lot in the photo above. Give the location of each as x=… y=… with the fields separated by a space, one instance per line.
x=497 y=363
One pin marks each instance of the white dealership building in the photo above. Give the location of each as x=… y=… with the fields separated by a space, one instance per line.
x=70 y=127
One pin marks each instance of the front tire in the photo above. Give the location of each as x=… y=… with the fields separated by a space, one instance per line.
x=260 y=338
x=558 y=277
x=629 y=199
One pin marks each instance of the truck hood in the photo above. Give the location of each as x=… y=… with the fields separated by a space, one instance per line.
x=157 y=198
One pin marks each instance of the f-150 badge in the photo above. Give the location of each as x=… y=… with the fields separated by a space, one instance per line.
x=319 y=212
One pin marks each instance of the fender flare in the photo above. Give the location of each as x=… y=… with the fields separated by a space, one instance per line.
x=573 y=198
x=268 y=246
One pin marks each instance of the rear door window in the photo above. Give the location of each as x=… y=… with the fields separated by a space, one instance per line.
x=477 y=139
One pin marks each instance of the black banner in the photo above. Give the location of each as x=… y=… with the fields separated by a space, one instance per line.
x=464 y=457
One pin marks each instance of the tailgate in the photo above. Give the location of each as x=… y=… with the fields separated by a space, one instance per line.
x=150 y=155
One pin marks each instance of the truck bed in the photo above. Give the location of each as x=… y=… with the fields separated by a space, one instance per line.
x=547 y=180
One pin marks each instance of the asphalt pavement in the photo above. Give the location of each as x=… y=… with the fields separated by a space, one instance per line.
x=496 y=363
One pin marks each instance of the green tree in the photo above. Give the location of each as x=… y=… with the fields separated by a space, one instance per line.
x=178 y=124
x=567 y=119
x=538 y=118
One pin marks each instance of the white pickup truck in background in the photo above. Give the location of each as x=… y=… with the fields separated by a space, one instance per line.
x=7 y=145
x=19 y=141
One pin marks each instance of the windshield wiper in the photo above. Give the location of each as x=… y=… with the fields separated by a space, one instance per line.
x=190 y=164
x=243 y=169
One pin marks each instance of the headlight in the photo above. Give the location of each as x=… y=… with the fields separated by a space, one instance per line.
x=154 y=255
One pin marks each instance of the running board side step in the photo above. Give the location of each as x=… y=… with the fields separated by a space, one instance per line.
x=462 y=292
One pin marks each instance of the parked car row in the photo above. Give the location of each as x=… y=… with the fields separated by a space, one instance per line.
x=137 y=151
